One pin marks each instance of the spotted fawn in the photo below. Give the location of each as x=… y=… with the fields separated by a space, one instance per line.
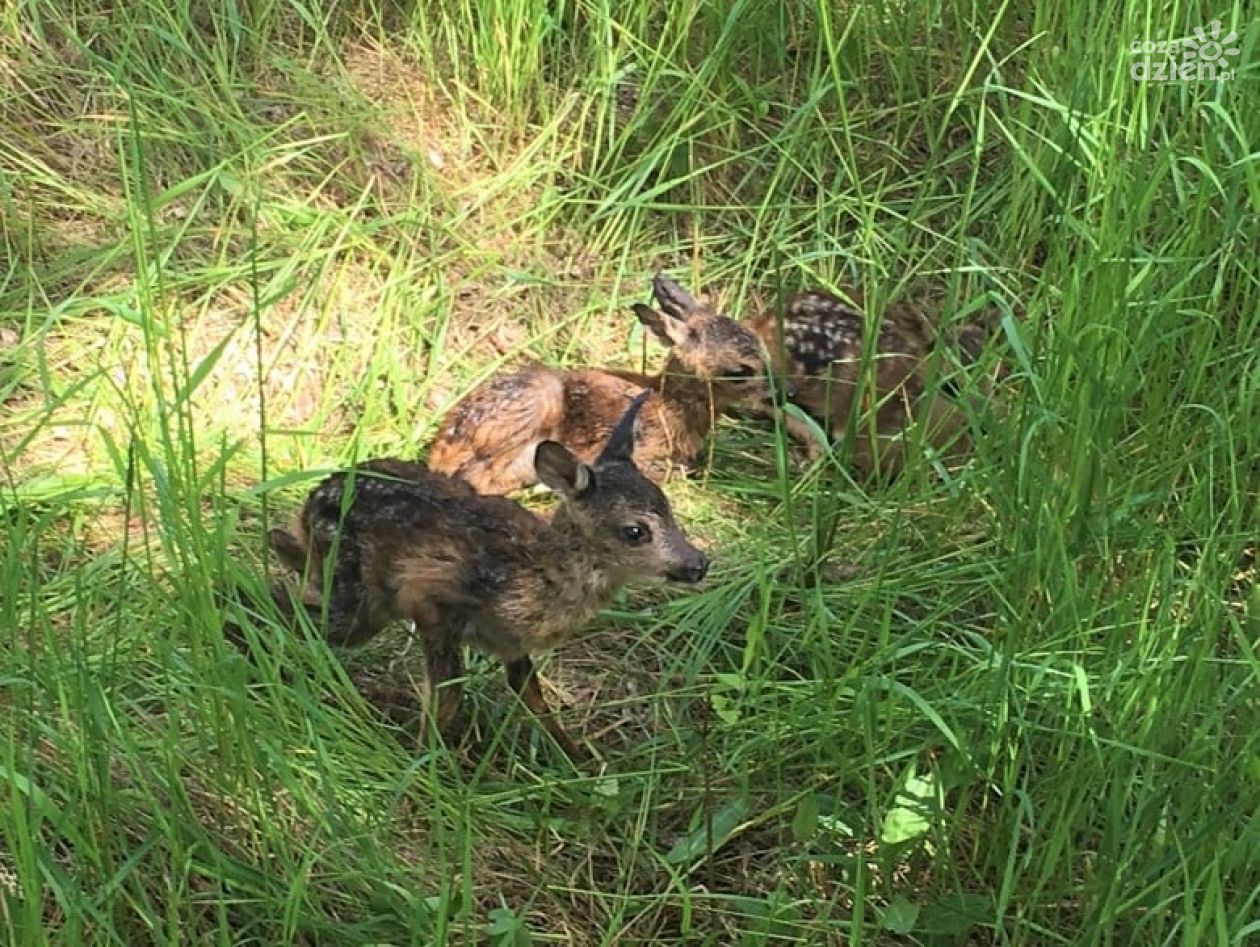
x=818 y=348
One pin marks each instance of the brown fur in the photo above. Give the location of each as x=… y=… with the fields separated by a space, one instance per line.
x=818 y=350
x=714 y=363
x=393 y=540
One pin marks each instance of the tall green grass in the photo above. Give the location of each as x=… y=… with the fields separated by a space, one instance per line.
x=1013 y=703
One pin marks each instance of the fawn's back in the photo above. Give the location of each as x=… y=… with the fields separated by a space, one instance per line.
x=371 y=538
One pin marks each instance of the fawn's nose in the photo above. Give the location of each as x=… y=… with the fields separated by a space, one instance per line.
x=692 y=572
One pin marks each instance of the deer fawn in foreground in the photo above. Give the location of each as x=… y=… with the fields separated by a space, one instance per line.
x=406 y=543
x=714 y=363
x=818 y=351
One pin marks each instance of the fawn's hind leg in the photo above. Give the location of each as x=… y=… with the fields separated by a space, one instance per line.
x=347 y=620
x=339 y=628
x=523 y=679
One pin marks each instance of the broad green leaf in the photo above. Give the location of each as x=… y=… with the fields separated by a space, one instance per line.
x=900 y=915
x=725 y=823
x=908 y=818
x=805 y=822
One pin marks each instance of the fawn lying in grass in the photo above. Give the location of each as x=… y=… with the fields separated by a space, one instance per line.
x=714 y=363
x=407 y=543
x=818 y=351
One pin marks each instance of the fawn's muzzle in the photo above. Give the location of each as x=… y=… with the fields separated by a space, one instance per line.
x=690 y=573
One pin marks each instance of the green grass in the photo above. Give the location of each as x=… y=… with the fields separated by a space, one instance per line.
x=1015 y=704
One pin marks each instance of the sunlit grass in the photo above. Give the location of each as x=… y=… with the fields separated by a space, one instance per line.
x=1013 y=702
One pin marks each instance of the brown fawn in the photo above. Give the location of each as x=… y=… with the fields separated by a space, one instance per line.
x=818 y=350
x=714 y=363
x=393 y=540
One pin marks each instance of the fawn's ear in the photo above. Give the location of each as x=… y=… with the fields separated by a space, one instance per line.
x=620 y=445
x=669 y=329
x=560 y=471
x=672 y=298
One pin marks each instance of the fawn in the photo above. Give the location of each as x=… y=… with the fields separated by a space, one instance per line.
x=714 y=363
x=818 y=350
x=406 y=543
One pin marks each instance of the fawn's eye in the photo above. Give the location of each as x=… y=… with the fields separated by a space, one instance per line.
x=744 y=371
x=636 y=534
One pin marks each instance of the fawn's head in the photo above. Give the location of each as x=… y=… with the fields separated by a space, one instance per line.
x=703 y=343
x=620 y=513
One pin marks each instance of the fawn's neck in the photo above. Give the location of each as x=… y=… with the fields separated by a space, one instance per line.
x=690 y=403
x=572 y=584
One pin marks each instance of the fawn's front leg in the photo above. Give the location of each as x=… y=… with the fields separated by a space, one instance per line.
x=523 y=679
x=800 y=432
x=444 y=667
